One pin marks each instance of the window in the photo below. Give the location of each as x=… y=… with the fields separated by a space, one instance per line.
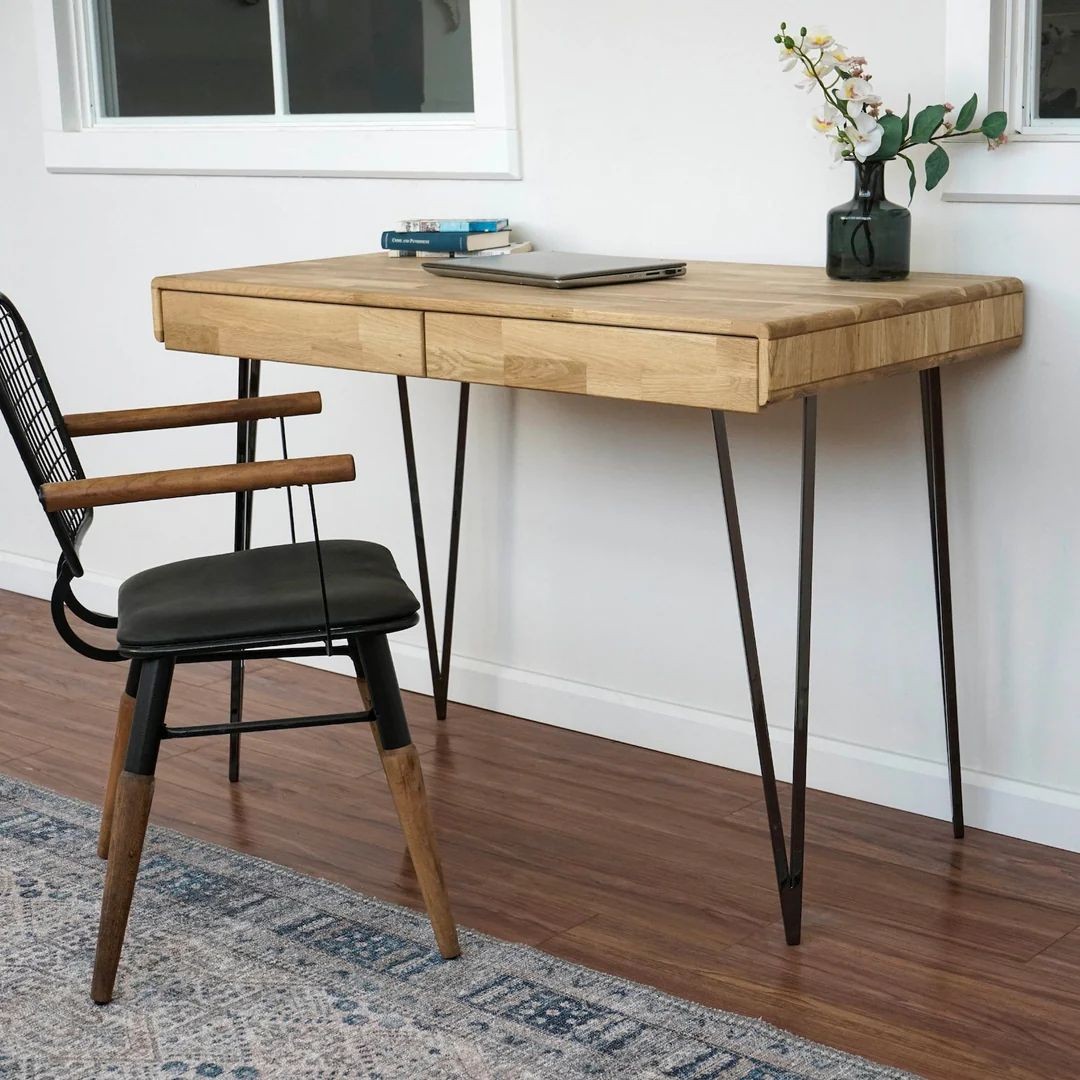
x=298 y=87
x=157 y=58
x=1022 y=56
x=1052 y=59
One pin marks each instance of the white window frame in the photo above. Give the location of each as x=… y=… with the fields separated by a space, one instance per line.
x=483 y=144
x=990 y=48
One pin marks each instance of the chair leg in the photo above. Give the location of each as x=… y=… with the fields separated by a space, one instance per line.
x=119 y=750
x=401 y=763
x=134 y=793
x=361 y=681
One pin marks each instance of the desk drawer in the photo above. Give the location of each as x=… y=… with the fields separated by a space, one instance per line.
x=606 y=361
x=299 y=332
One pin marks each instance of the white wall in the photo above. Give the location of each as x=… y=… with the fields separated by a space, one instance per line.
x=595 y=585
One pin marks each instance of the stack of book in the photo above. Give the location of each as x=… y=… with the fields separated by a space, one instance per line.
x=443 y=238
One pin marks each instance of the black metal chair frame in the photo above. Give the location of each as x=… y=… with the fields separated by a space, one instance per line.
x=41 y=434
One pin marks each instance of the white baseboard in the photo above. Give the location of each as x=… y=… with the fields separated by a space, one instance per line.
x=1014 y=808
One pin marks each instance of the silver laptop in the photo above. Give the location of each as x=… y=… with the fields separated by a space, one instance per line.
x=556 y=269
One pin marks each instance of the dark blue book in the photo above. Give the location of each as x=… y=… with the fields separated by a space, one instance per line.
x=443 y=241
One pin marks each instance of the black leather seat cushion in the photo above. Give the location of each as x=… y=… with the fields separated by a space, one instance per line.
x=263 y=593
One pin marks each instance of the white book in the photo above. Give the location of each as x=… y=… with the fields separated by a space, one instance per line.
x=508 y=249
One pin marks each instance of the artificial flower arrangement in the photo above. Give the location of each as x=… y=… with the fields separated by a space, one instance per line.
x=854 y=120
x=869 y=238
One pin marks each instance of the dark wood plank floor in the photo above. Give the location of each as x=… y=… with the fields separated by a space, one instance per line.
x=954 y=960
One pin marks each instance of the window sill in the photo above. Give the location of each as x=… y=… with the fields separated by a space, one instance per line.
x=1022 y=172
x=446 y=151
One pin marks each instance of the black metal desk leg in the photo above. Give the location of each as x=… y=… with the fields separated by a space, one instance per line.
x=793 y=916
x=248 y=386
x=933 y=436
x=789 y=875
x=440 y=671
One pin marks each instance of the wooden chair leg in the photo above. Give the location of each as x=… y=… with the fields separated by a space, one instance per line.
x=406 y=780
x=119 y=751
x=133 y=797
x=401 y=764
x=134 y=794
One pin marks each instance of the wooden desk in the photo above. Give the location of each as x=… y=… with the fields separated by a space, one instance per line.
x=727 y=338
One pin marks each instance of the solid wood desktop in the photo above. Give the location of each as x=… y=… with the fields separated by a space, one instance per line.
x=727 y=338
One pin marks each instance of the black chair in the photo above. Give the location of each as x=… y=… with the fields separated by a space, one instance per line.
x=339 y=597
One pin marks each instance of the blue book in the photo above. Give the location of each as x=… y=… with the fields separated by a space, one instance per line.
x=443 y=241
x=468 y=225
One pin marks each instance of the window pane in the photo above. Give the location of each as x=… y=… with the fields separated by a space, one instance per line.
x=378 y=56
x=185 y=57
x=1059 y=60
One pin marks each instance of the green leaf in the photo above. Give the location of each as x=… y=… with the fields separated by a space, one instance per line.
x=891 y=140
x=937 y=165
x=993 y=126
x=912 y=181
x=967 y=113
x=926 y=123
x=906 y=120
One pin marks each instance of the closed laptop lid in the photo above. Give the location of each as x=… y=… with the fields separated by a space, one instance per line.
x=552 y=265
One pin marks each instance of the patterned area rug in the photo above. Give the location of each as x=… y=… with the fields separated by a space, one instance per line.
x=241 y=969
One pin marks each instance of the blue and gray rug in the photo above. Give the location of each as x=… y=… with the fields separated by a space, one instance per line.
x=241 y=969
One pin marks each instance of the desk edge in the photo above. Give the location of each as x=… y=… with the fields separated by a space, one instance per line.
x=775 y=329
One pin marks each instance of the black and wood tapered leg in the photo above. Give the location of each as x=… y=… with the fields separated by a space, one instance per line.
x=119 y=752
x=934 y=440
x=134 y=794
x=401 y=763
x=246 y=431
x=438 y=658
x=789 y=870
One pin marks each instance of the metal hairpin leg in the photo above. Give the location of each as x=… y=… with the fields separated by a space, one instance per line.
x=440 y=669
x=789 y=872
x=930 y=383
x=248 y=386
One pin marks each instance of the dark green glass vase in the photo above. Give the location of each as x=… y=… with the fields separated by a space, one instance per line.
x=869 y=237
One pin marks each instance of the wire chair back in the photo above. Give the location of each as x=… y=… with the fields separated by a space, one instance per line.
x=37 y=426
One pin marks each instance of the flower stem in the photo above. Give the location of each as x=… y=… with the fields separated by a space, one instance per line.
x=830 y=94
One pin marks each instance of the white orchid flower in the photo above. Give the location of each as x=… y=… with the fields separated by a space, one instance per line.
x=808 y=83
x=819 y=38
x=826 y=121
x=838 y=55
x=788 y=58
x=824 y=64
x=839 y=149
x=859 y=92
x=863 y=122
x=866 y=133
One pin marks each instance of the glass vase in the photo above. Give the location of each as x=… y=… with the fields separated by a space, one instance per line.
x=869 y=238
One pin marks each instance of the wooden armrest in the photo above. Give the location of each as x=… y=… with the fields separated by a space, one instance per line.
x=208 y=480
x=205 y=412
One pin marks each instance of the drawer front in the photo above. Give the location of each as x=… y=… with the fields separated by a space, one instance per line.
x=299 y=332
x=868 y=348
x=640 y=365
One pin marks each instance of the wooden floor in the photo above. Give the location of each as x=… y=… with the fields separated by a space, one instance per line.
x=952 y=959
